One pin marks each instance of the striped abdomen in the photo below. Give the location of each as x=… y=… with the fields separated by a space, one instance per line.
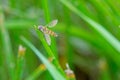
x=47 y=31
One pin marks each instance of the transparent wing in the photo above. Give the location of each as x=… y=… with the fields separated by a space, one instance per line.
x=48 y=39
x=52 y=23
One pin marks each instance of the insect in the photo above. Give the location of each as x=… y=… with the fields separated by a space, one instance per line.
x=47 y=32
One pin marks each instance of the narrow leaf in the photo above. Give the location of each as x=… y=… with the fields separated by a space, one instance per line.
x=53 y=71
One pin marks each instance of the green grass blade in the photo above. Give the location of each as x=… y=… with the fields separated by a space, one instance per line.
x=49 y=51
x=46 y=10
x=19 y=24
x=99 y=28
x=48 y=19
x=36 y=73
x=6 y=46
x=46 y=46
x=53 y=71
x=20 y=63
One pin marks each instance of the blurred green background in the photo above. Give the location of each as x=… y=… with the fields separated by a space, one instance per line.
x=88 y=39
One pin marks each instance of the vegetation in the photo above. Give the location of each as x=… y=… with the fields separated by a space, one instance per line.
x=87 y=46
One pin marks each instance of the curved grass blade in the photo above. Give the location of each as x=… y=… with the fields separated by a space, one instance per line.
x=99 y=28
x=38 y=71
x=53 y=71
x=7 y=46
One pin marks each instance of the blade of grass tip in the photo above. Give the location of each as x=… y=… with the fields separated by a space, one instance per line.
x=7 y=46
x=53 y=71
x=20 y=63
x=99 y=28
x=47 y=18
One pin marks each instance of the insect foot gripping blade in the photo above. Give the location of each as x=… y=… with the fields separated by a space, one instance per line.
x=47 y=33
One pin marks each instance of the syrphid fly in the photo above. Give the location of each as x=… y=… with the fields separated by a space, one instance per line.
x=47 y=32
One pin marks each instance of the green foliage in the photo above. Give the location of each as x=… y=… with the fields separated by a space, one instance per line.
x=88 y=40
x=56 y=75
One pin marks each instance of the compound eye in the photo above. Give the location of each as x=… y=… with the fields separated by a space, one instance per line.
x=40 y=27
